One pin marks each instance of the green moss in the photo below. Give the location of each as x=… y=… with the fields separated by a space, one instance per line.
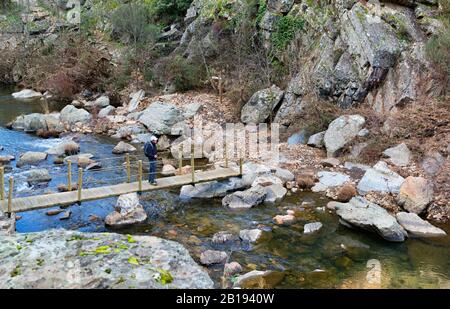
x=108 y=271
x=262 y=9
x=121 y=280
x=40 y=262
x=130 y=239
x=399 y=26
x=103 y=250
x=19 y=247
x=164 y=276
x=133 y=260
x=285 y=30
x=16 y=272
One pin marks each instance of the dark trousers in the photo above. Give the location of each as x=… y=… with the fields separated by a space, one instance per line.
x=152 y=172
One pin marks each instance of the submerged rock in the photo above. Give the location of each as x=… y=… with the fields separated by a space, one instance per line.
x=371 y=217
x=259 y=279
x=417 y=227
x=65 y=259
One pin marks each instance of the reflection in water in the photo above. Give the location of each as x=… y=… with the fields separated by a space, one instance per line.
x=336 y=257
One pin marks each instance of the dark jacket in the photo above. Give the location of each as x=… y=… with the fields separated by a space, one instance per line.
x=150 y=150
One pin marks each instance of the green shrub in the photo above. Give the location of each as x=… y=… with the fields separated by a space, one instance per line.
x=167 y=11
x=184 y=75
x=285 y=30
x=438 y=50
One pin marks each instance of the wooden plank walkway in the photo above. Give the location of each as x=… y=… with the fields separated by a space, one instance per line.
x=68 y=198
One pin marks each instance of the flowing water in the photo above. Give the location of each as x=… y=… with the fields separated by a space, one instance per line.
x=317 y=261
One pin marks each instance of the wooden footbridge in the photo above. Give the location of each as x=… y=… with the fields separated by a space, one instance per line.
x=9 y=204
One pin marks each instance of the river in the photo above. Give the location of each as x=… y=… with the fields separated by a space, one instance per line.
x=317 y=261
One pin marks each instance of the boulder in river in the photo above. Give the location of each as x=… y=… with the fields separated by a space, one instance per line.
x=128 y=211
x=71 y=115
x=159 y=118
x=259 y=279
x=223 y=237
x=68 y=148
x=26 y=94
x=341 y=132
x=369 y=216
x=417 y=227
x=330 y=179
x=254 y=236
x=36 y=176
x=311 y=228
x=31 y=158
x=123 y=147
x=245 y=199
x=415 y=194
x=275 y=193
x=210 y=257
x=75 y=260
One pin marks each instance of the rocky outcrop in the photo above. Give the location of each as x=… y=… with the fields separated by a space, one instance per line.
x=261 y=105
x=417 y=227
x=128 y=211
x=363 y=214
x=341 y=132
x=58 y=259
x=416 y=193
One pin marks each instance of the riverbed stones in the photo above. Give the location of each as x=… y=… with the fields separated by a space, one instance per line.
x=399 y=155
x=231 y=269
x=6 y=159
x=106 y=111
x=416 y=193
x=380 y=179
x=211 y=257
x=311 y=228
x=245 y=199
x=329 y=179
x=31 y=158
x=284 y=174
x=36 y=176
x=284 y=219
x=223 y=237
x=341 y=132
x=330 y=162
x=259 y=279
x=123 y=147
x=275 y=193
x=26 y=94
x=368 y=216
x=342 y=193
x=71 y=115
x=65 y=148
x=99 y=103
x=252 y=236
x=417 y=227
x=128 y=211
x=95 y=260
x=261 y=105
x=316 y=140
x=159 y=118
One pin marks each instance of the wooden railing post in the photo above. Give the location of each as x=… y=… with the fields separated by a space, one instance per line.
x=180 y=157
x=140 y=176
x=192 y=163
x=80 y=183
x=69 y=175
x=127 y=158
x=10 y=195
x=2 y=183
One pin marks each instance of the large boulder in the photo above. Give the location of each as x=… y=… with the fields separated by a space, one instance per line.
x=398 y=155
x=99 y=103
x=417 y=227
x=159 y=118
x=415 y=194
x=245 y=199
x=275 y=193
x=316 y=140
x=34 y=122
x=26 y=94
x=369 y=216
x=58 y=259
x=380 y=179
x=128 y=211
x=71 y=115
x=31 y=158
x=261 y=105
x=123 y=147
x=341 y=132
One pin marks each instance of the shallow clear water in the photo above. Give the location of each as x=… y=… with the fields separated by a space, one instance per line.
x=309 y=261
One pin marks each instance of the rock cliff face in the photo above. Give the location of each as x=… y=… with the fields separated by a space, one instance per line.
x=351 y=51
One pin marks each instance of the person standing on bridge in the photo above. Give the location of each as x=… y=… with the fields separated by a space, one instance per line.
x=151 y=152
